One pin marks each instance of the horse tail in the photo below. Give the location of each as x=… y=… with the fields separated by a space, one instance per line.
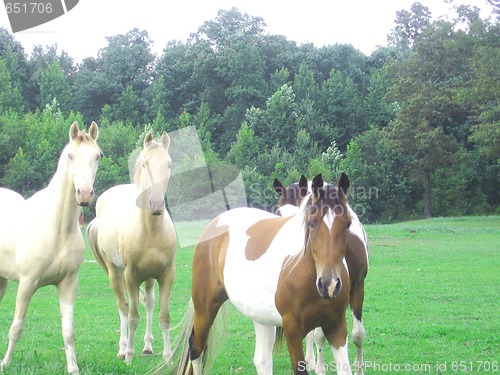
x=280 y=338
x=92 y=230
x=180 y=362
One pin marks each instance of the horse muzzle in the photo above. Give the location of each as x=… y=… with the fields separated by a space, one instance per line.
x=328 y=287
x=156 y=207
x=84 y=196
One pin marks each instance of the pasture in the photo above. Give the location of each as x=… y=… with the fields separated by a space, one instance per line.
x=431 y=307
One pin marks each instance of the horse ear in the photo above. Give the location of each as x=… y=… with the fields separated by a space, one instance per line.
x=94 y=131
x=148 y=139
x=165 y=140
x=317 y=184
x=343 y=184
x=73 y=131
x=303 y=186
x=278 y=187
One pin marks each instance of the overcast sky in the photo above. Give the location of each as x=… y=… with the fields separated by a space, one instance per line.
x=363 y=23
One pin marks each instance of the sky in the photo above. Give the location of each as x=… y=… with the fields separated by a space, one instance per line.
x=364 y=24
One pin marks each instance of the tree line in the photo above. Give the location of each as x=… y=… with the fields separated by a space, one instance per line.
x=415 y=125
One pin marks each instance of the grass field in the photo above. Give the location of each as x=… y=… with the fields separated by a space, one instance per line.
x=431 y=307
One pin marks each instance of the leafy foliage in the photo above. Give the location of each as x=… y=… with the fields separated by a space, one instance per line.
x=415 y=125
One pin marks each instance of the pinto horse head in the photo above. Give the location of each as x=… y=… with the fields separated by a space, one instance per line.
x=82 y=155
x=328 y=222
x=291 y=195
x=152 y=173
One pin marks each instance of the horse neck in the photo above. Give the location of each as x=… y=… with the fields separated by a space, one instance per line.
x=61 y=194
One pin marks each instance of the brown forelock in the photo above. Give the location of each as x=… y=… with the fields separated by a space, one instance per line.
x=329 y=197
x=261 y=235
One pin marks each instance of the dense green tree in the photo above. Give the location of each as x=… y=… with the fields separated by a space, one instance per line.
x=276 y=124
x=342 y=110
x=127 y=61
x=244 y=151
x=10 y=92
x=12 y=53
x=43 y=62
x=53 y=85
x=420 y=115
x=35 y=162
x=429 y=86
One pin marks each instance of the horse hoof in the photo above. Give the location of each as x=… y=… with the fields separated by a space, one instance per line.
x=120 y=357
x=147 y=353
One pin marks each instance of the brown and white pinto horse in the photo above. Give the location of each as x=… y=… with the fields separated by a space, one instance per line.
x=277 y=271
x=357 y=263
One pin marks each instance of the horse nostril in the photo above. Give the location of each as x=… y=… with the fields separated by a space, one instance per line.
x=338 y=286
x=322 y=288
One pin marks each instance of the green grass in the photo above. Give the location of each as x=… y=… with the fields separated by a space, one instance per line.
x=432 y=299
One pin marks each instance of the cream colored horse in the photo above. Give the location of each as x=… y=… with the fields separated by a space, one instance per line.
x=40 y=240
x=134 y=240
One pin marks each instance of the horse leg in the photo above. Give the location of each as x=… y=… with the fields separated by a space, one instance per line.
x=294 y=336
x=358 y=330
x=117 y=282
x=310 y=360
x=3 y=287
x=206 y=306
x=67 y=289
x=319 y=340
x=149 y=304
x=166 y=283
x=337 y=337
x=265 y=335
x=25 y=291
x=133 y=287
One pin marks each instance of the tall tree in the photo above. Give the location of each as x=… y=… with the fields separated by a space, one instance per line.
x=53 y=85
x=127 y=60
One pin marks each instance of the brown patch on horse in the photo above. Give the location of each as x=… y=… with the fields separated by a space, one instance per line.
x=261 y=235
x=210 y=254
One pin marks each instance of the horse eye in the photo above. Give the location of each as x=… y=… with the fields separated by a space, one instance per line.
x=349 y=224
x=70 y=156
x=311 y=224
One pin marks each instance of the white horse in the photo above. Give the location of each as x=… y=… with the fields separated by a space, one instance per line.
x=40 y=240
x=134 y=240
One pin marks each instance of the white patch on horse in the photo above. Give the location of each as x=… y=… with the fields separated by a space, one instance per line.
x=254 y=296
x=288 y=210
x=357 y=229
x=329 y=218
x=341 y=359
